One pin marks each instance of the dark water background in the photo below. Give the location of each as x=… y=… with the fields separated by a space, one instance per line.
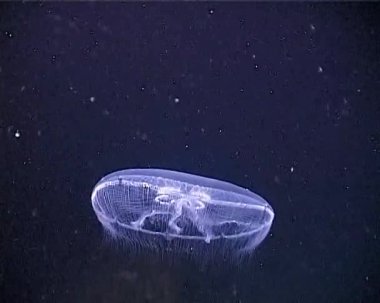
x=277 y=97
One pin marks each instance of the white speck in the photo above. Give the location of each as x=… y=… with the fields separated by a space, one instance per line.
x=320 y=69
x=144 y=136
x=312 y=27
x=22 y=88
x=256 y=66
x=234 y=290
x=358 y=90
x=92 y=99
x=176 y=100
x=253 y=56
x=17 y=134
x=211 y=11
x=292 y=169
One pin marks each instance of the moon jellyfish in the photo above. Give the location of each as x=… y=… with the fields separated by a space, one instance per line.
x=167 y=211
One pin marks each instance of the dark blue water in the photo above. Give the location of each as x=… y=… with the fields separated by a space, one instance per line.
x=279 y=98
